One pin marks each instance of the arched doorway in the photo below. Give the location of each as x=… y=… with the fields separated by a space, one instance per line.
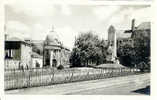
x=47 y=62
x=54 y=63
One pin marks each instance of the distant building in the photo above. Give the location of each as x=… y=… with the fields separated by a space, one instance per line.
x=17 y=53
x=55 y=53
x=141 y=31
x=37 y=60
x=131 y=37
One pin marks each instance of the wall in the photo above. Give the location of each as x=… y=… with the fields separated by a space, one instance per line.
x=39 y=60
x=65 y=57
x=11 y=64
x=26 y=54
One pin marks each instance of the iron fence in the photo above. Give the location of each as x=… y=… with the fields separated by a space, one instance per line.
x=15 y=79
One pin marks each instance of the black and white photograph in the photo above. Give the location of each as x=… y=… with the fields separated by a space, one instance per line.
x=67 y=49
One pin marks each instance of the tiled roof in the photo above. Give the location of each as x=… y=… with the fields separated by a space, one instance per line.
x=144 y=26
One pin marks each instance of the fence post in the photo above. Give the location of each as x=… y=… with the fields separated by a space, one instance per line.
x=71 y=77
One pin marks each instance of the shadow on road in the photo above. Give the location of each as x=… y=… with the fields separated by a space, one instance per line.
x=145 y=90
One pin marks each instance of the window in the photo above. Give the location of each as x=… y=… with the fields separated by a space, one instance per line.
x=9 y=53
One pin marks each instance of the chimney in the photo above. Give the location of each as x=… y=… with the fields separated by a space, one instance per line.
x=6 y=37
x=133 y=25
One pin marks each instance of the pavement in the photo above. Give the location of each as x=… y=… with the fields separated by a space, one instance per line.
x=126 y=85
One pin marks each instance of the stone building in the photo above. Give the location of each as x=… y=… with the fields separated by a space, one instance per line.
x=17 y=53
x=55 y=53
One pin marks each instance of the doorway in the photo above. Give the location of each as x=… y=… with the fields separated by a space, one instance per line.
x=54 y=63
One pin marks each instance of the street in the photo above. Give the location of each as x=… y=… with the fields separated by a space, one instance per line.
x=126 y=85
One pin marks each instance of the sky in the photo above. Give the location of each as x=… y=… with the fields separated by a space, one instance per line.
x=30 y=19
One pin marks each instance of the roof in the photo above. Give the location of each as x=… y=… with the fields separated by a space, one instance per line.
x=35 y=55
x=144 y=26
x=53 y=38
x=121 y=34
x=16 y=39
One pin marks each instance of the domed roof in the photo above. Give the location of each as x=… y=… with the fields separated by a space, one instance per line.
x=53 y=38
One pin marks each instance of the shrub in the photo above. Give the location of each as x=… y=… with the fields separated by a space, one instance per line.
x=60 y=67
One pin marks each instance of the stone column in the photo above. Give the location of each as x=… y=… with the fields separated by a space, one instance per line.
x=115 y=45
x=112 y=42
x=51 y=57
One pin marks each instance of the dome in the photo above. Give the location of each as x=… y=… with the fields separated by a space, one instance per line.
x=53 y=38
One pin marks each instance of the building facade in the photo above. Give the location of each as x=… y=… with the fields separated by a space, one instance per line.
x=37 y=60
x=55 y=53
x=17 y=54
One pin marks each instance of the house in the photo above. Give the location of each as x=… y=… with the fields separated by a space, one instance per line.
x=17 y=53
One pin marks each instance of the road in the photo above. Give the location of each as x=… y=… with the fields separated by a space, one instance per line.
x=126 y=85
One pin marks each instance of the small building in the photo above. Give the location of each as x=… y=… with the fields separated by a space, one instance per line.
x=37 y=60
x=17 y=53
x=55 y=53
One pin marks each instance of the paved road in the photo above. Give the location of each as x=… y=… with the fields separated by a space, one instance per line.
x=128 y=85
x=122 y=89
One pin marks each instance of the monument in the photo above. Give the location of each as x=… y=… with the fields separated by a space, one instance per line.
x=112 y=45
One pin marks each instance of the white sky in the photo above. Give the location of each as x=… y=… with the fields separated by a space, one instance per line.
x=34 y=19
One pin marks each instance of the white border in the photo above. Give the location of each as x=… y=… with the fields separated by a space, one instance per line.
x=87 y=97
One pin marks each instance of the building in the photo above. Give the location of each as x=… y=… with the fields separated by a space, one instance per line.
x=136 y=37
x=142 y=31
x=55 y=53
x=37 y=60
x=17 y=53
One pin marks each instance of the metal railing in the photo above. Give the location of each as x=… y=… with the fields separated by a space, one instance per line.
x=15 y=79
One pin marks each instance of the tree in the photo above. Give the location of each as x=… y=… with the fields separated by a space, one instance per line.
x=88 y=48
x=137 y=55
